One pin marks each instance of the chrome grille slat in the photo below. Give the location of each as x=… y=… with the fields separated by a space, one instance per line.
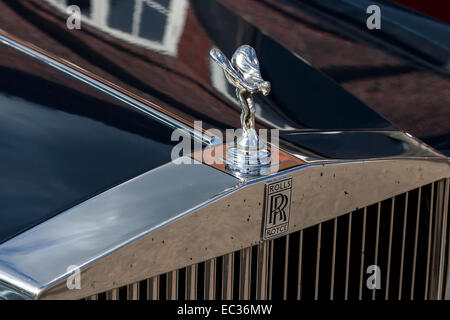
x=191 y=282
x=262 y=271
x=363 y=247
x=335 y=251
x=133 y=291
x=435 y=261
x=405 y=220
x=447 y=289
x=440 y=219
x=245 y=273
x=444 y=213
x=430 y=235
x=153 y=288
x=319 y=242
x=210 y=280
x=269 y=286
x=286 y=268
x=333 y=259
x=347 y=265
x=391 y=231
x=300 y=264
x=228 y=277
x=172 y=285
x=112 y=294
x=416 y=238
x=377 y=239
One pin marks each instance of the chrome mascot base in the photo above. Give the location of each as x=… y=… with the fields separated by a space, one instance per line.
x=248 y=156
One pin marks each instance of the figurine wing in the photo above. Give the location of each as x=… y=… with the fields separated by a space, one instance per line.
x=232 y=75
x=246 y=62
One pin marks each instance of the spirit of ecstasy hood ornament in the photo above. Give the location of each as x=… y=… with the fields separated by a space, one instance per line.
x=243 y=72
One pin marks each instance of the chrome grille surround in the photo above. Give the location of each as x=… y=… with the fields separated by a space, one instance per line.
x=405 y=234
x=231 y=223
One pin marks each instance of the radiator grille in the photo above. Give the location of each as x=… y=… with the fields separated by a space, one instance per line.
x=404 y=236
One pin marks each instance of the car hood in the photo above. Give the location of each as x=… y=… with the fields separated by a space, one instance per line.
x=166 y=61
x=96 y=174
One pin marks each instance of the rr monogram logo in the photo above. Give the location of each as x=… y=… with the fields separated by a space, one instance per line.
x=278 y=204
x=277 y=208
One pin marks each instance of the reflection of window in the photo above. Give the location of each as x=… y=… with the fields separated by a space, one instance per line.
x=154 y=24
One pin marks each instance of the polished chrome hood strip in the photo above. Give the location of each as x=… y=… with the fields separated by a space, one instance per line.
x=90 y=232
x=104 y=86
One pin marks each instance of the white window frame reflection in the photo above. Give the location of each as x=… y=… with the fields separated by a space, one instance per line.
x=175 y=21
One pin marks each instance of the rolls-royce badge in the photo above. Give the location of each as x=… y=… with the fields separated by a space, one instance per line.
x=277 y=208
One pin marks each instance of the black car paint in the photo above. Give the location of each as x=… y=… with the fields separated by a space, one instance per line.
x=60 y=145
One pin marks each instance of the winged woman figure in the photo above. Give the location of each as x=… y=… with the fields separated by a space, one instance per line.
x=243 y=72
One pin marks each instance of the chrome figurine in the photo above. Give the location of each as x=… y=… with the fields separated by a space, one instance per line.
x=247 y=157
x=243 y=73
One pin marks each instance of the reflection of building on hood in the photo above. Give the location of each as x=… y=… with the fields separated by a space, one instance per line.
x=156 y=25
